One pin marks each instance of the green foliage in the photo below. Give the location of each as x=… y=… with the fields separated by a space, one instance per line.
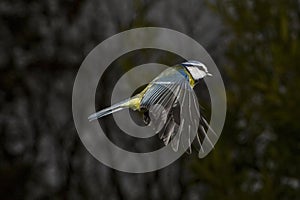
x=258 y=153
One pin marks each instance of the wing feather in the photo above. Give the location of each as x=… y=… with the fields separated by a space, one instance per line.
x=172 y=90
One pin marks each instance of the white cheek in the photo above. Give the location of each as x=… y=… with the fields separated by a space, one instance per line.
x=196 y=73
x=199 y=75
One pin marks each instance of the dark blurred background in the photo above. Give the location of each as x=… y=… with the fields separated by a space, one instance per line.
x=256 y=46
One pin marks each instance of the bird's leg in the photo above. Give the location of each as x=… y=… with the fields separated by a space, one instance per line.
x=146 y=117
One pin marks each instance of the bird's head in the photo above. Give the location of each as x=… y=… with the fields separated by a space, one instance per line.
x=197 y=69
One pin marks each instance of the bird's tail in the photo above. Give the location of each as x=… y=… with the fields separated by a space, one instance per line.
x=114 y=108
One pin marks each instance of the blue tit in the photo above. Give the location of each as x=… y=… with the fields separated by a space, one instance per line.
x=166 y=90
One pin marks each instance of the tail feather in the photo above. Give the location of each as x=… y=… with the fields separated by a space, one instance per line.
x=109 y=110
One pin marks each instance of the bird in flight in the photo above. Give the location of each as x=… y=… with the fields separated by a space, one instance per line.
x=167 y=103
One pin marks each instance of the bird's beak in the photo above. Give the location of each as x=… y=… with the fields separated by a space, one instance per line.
x=209 y=74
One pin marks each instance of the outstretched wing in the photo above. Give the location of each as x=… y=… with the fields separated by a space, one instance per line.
x=173 y=108
x=161 y=96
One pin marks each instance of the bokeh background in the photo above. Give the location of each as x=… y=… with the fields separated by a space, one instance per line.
x=256 y=46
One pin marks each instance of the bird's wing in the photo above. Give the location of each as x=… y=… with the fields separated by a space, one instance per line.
x=179 y=121
x=189 y=119
x=162 y=93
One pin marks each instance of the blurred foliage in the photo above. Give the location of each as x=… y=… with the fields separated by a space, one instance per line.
x=42 y=44
x=258 y=153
